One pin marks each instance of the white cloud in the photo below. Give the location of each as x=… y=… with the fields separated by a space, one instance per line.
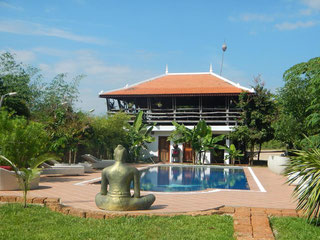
x=84 y=62
x=292 y=26
x=10 y=6
x=24 y=56
x=89 y=99
x=99 y=73
x=51 y=51
x=313 y=4
x=29 y=28
x=313 y=7
x=306 y=12
x=44 y=67
x=50 y=9
x=248 y=17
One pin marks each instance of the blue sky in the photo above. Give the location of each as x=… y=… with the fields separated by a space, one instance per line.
x=115 y=43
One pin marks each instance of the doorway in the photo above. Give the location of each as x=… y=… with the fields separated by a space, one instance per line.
x=164 y=149
x=188 y=153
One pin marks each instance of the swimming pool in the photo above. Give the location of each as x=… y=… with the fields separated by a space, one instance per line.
x=192 y=178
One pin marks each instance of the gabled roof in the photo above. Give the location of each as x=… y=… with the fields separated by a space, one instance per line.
x=180 y=84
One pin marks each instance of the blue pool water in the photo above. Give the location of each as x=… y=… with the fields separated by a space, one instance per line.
x=192 y=178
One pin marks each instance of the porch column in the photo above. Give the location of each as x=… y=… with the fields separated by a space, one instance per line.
x=226 y=154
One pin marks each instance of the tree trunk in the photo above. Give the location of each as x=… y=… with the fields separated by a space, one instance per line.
x=70 y=156
x=25 y=192
x=75 y=156
x=194 y=158
x=251 y=154
x=260 y=145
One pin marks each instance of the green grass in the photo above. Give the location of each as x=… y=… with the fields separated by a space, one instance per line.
x=294 y=228
x=36 y=222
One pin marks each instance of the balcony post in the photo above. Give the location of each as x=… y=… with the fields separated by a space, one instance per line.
x=227 y=109
x=200 y=107
x=174 y=108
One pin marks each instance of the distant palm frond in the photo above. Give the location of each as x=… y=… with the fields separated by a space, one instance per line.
x=304 y=168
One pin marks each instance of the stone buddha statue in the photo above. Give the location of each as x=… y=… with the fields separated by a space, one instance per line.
x=119 y=177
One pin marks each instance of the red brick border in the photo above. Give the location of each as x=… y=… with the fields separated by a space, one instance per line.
x=249 y=223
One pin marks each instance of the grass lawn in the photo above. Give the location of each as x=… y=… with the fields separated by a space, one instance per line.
x=36 y=222
x=294 y=228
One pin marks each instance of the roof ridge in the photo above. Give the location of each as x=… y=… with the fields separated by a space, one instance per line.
x=129 y=86
x=231 y=82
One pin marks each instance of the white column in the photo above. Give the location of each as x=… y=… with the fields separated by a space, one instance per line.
x=226 y=160
x=207 y=157
x=180 y=145
x=170 y=152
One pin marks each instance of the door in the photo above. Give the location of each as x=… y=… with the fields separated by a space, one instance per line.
x=164 y=149
x=188 y=153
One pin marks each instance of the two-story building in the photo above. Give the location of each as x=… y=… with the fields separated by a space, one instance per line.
x=185 y=98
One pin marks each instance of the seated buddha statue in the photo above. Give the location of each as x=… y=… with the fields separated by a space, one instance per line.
x=119 y=177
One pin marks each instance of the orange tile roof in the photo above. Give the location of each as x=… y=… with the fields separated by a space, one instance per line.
x=180 y=84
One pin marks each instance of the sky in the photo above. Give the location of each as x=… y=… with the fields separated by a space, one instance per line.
x=115 y=43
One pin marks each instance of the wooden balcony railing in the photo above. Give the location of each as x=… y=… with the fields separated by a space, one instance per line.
x=213 y=116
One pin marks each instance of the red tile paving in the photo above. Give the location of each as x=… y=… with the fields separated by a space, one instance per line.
x=277 y=195
x=250 y=209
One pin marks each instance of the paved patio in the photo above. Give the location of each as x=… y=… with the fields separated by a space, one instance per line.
x=277 y=194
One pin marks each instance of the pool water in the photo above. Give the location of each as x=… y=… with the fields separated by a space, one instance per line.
x=192 y=178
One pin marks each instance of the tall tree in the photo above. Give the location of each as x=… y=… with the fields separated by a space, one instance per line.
x=108 y=132
x=17 y=77
x=299 y=103
x=258 y=111
x=55 y=109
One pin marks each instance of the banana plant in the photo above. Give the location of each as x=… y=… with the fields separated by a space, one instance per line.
x=200 y=138
x=233 y=153
x=139 y=134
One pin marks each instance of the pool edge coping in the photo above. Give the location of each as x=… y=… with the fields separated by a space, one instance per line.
x=208 y=190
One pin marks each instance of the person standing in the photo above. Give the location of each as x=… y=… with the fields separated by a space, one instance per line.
x=176 y=153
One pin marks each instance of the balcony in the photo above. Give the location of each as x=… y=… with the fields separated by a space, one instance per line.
x=188 y=116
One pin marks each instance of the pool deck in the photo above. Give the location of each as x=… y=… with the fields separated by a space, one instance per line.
x=76 y=193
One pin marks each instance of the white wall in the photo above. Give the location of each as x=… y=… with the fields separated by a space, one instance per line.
x=166 y=131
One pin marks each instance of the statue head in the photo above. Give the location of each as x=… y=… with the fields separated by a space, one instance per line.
x=120 y=154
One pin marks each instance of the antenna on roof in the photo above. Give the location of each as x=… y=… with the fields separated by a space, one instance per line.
x=210 y=70
x=166 y=68
x=224 y=48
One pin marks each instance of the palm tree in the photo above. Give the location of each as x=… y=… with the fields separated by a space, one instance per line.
x=26 y=175
x=23 y=145
x=304 y=168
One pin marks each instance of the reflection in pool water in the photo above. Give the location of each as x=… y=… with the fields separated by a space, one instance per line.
x=192 y=178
